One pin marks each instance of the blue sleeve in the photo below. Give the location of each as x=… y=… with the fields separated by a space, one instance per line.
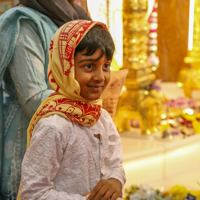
x=27 y=68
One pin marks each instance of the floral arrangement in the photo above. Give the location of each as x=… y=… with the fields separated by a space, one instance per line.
x=145 y=192
x=182 y=193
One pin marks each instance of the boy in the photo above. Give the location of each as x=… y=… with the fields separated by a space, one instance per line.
x=75 y=149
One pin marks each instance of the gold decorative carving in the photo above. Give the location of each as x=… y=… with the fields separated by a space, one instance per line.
x=137 y=102
x=190 y=76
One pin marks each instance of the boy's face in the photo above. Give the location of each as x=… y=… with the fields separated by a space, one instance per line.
x=92 y=73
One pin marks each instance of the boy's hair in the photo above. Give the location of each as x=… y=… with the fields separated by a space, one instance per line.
x=97 y=38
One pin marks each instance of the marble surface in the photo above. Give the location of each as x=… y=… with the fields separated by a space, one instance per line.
x=162 y=163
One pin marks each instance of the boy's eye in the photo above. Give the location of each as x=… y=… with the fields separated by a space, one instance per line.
x=88 y=66
x=107 y=65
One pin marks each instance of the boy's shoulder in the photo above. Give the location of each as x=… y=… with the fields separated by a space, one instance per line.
x=104 y=112
x=53 y=127
x=107 y=122
x=55 y=121
x=105 y=116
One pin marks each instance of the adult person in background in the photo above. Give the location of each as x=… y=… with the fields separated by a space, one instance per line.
x=25 y=34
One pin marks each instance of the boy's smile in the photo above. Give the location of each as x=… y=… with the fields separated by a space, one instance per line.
x=92 y=73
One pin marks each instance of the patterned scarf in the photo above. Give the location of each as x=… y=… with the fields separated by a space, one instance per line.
x=66 y=101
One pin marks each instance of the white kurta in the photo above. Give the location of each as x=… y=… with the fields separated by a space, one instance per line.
x=65 y=160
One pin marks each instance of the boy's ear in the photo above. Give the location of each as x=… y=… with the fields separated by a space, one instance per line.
x=112 y=92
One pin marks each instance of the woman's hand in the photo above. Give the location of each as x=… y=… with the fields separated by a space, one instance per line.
x=106 y=189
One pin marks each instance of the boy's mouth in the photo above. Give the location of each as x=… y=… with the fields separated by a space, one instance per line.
x=96 y=88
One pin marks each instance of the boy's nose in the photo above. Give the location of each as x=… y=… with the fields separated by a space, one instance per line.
x=99 y=76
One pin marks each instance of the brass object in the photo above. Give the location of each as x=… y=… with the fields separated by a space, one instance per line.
x=137 y=102
x=189 y=77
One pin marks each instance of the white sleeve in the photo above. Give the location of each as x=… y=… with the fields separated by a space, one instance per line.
x=42 y=162
x=116 y=154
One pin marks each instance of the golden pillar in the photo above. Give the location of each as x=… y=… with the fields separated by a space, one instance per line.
x=137 y=102
x=190 y=77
